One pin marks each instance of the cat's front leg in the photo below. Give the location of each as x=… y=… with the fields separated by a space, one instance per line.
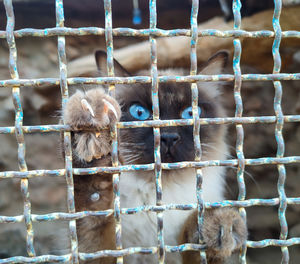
x=224 y=232
x=91 y=111
x=89 y=114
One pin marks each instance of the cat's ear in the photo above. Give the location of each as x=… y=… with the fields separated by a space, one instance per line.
x=215 y=64
x=101 y=61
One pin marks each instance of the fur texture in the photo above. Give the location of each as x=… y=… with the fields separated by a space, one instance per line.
x=223 y=232
x=90 y=149
x=87 y=110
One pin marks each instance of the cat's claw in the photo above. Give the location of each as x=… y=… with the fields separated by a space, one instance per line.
x=109 y=106
x=87 y=107
x=92 y=110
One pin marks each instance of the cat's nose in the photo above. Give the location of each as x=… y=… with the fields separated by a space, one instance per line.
x=169 y=139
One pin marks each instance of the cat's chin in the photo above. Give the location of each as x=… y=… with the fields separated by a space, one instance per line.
x=168 y=158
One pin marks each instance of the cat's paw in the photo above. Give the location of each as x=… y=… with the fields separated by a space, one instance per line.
x=223 y=232
x=91 y=110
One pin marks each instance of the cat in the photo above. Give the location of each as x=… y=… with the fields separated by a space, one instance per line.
x=95 y=109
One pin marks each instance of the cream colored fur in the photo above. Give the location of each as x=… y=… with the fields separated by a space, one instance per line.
x=179 y=187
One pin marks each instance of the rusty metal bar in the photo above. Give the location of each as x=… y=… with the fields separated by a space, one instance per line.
x=144 y=33
x=140 y=250
x=146 y=79
x=114 y=129
x=236 y=8
x=278 y=130
x=156 y=130
x=148 y=208
x=18 y=125
x=196 y=123
x=161 y=123
x=148 y=167
x=61 y=48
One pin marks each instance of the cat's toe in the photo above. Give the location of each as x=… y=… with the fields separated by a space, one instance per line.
x=91 y=109
x=87 y=107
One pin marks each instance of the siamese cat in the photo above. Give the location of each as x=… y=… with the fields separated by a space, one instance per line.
x=224 y=231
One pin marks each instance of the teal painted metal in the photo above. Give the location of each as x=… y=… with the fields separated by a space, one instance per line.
x=159 y=208
x=144 y=33
x=62 y=59
x=114 y=129
x=156 y=131
x=236 y=8
x=278 y=131
x=147 y=79
x=196 y=123
x=18 y=125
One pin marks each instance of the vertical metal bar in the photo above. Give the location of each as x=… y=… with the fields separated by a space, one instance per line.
x=19 y=123
x=196 y=118
x=109 y=43
x=156 y=130
x=236 y=8
x=114 y=130
x=61 y=48
x=278 y=129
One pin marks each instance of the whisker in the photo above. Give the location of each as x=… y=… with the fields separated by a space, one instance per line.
x=248 y=174
x=130 y=151
x=210 y=145
x=130 y=160
x=130 y=155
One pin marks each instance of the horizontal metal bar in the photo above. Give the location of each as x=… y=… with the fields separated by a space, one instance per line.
x=55 y=216
x=118 y=253
x=61 y=216
x=130 y=32
x=274 y=242
x=146 y=79
x=141 y=250
x=39 y=259
x=149 y=167
x=161 y=123
x=208 y=205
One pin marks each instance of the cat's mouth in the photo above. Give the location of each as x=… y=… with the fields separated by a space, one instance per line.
x=168 y=155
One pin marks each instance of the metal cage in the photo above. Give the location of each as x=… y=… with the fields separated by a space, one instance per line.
x=15 y=83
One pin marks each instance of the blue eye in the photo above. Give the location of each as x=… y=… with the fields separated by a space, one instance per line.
x=188 y=112
x=139 y=112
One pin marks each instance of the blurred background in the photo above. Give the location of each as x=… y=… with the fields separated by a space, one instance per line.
x=37 y=58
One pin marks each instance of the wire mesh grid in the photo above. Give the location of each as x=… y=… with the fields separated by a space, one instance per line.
x=15 y=83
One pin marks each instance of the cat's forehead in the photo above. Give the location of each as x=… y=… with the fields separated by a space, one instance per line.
x=170 y=93
x=174 y=93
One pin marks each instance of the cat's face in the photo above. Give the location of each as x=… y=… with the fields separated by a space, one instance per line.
x=177 y=144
